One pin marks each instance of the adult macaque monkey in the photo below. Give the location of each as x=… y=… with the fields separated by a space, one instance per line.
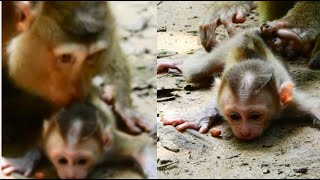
x=292 y=31
x=79 y=137
x=255 y=88
x=61 y=47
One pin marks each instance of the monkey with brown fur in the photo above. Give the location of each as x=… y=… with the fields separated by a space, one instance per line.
x=79 y=137
x=255 y=88
x=75 y=41
x=292 y=32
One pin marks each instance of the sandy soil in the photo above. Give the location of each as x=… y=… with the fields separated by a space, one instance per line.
x=287 y=150
x=137 y=32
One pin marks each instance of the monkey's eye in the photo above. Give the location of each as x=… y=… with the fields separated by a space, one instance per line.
x=65 y=58
x=62 y=161
x=255 y=116
x=234 y=116
x=82 y=161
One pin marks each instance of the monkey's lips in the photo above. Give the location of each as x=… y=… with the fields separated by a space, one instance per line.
x=247 y=138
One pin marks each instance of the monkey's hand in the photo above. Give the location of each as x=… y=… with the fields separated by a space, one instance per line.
x=316 y=113
x=200 y=123
x=225 y=13
x=286 y=40
x=135 y=124
x=164 y=65
x=24 y=165
x=314 y=63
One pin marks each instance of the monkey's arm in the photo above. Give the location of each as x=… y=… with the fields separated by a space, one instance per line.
x=24 y=165
x=309 y=104
x=295 y=33
x=196 y=67
x=140 y=149
x=244 y=45
x=200 y=121
x=222 y=12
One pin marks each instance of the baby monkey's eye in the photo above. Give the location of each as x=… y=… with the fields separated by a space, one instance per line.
x=82 y=161
x=234 y=116
x=65 y=58
x=62 y=161
x=255 y=116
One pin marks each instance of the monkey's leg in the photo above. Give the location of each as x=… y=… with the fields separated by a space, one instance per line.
x=24 y=165
x=198 y=66
x=308 y=104
x=201 y=122
x=225 y=13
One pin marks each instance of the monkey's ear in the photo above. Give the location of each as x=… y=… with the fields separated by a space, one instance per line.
x=107 y=139
x=286 y=93
x=24 y=15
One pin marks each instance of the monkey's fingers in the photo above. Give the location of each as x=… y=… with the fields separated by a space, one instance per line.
x=165 y=66
x=208 y=35
x=295 y=45
x=290 y=35
x=4 y=163
x=277 y=44
x=230 y=27
x=28 y=171
x=144 y=124
x=269 y=28
x=8 y=170
x=132 y=128
x=314 y=63
x=173 y=122
x=192 y=125
x=204 y=128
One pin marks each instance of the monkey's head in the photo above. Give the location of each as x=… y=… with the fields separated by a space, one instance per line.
x=75 y=140
x=249 y=98
x=63 y=47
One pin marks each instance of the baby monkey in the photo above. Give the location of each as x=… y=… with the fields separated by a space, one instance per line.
x=77 y=138
x=255 y=88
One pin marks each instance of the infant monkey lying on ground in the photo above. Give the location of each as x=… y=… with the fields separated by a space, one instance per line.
x=254 y=90
x=77 y=138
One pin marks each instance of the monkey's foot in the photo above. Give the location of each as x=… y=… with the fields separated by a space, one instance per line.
x=208 y=35
x=284 y=40
x=164 y=65
x=314 y=63
x=200 y=124
x=226 y=17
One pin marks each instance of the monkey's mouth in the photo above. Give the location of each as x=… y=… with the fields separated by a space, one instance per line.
x=248 y=138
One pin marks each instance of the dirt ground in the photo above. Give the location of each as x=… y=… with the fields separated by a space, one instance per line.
x=137 y=32
x=287 y=150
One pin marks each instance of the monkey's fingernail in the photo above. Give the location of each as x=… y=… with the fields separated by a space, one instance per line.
x=39 y=175
x=215 y=132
